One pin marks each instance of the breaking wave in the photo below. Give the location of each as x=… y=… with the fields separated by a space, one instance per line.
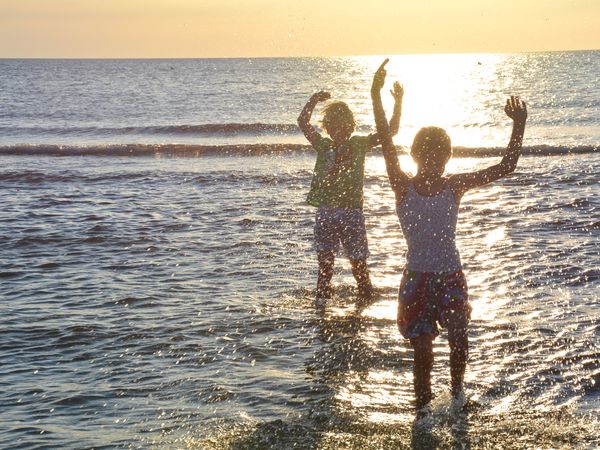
x=193 y=150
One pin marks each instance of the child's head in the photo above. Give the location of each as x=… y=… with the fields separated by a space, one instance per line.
x=338 y=120
x=431 y=150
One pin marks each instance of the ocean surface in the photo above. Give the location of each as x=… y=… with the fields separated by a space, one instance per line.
x=157 y=270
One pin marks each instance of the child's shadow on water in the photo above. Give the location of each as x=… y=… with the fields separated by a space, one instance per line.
x=339 y=335
x=441 y=431
x=460 y=434
x=344 y=352
x=423 y=438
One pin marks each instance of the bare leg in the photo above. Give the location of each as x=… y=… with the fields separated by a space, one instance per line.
x=326 y=261
x=459 y=349
x=360 y=270
x=423 y=347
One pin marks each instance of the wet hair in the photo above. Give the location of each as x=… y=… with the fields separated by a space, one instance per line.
x=336 y=114
x=433 y=142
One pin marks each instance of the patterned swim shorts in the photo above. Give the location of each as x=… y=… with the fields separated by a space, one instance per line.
x=345 y=226
x=426 y=298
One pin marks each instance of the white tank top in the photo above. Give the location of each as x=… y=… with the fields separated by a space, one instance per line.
x=429 y=227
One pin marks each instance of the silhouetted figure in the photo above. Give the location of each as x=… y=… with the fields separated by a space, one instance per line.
x=337 y=190
x=433 y=289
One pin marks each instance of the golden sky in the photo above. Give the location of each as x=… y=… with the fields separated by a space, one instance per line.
x=229 y=28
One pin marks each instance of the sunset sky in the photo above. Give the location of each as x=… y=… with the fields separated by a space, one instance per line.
x=230 y=28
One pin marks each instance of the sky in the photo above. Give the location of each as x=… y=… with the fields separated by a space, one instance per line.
x=259 y=28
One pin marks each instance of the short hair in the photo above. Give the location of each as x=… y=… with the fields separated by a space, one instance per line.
x=337 y=113
x=432 y=141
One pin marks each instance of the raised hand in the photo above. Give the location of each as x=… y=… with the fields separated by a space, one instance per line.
x=397 y=92
x=304 y=118
x=379 y=77
x=320 y=96
x=516 y=109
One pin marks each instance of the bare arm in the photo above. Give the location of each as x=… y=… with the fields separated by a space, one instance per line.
x=516 y=109
x=397 y=92
x=398 y=179
x=304 y=118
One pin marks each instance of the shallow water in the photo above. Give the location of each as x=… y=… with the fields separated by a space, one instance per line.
x=166 y=302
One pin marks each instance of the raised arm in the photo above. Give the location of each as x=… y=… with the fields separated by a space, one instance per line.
x=304 y=117
x=397 y=92
x=516 y=109
x=398 y=179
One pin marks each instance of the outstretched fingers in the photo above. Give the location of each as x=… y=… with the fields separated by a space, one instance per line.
x=515 y=108
x=397 y=91
x=521 y=105
x=321 y=96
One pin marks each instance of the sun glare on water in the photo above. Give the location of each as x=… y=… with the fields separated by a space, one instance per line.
x=449 y=91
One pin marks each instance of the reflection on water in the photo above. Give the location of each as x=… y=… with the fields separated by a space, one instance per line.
x=197 y=101
x=525 y=376
x=167 y=303
x=444 y=90
x=363 y=374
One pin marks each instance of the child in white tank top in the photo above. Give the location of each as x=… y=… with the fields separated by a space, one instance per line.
x=433 y=289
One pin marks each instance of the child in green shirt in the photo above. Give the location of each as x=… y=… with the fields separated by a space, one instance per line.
x=337 y=190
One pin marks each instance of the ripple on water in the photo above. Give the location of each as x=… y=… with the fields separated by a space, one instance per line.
x=135 y=329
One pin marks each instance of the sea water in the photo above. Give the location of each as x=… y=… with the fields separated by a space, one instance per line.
x=151 y=298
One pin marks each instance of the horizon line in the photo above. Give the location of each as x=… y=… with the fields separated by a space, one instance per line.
x=295 y=56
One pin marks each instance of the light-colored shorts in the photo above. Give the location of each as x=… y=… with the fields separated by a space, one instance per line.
x=426 y=299
x=345 y=226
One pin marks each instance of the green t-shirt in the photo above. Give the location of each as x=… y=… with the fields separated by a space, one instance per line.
x=338 y=176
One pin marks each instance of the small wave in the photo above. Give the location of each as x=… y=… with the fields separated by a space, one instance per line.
x=38 y=240
x=537 y=150
x=78 y=399
x=94 y=240
x=592 y=226
x=191 y=150
x=239 y=176
x=131 y=150
x=38 y=177
x=10 y=274
x=135 y=301
x=201 y=129
x=49 y=265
